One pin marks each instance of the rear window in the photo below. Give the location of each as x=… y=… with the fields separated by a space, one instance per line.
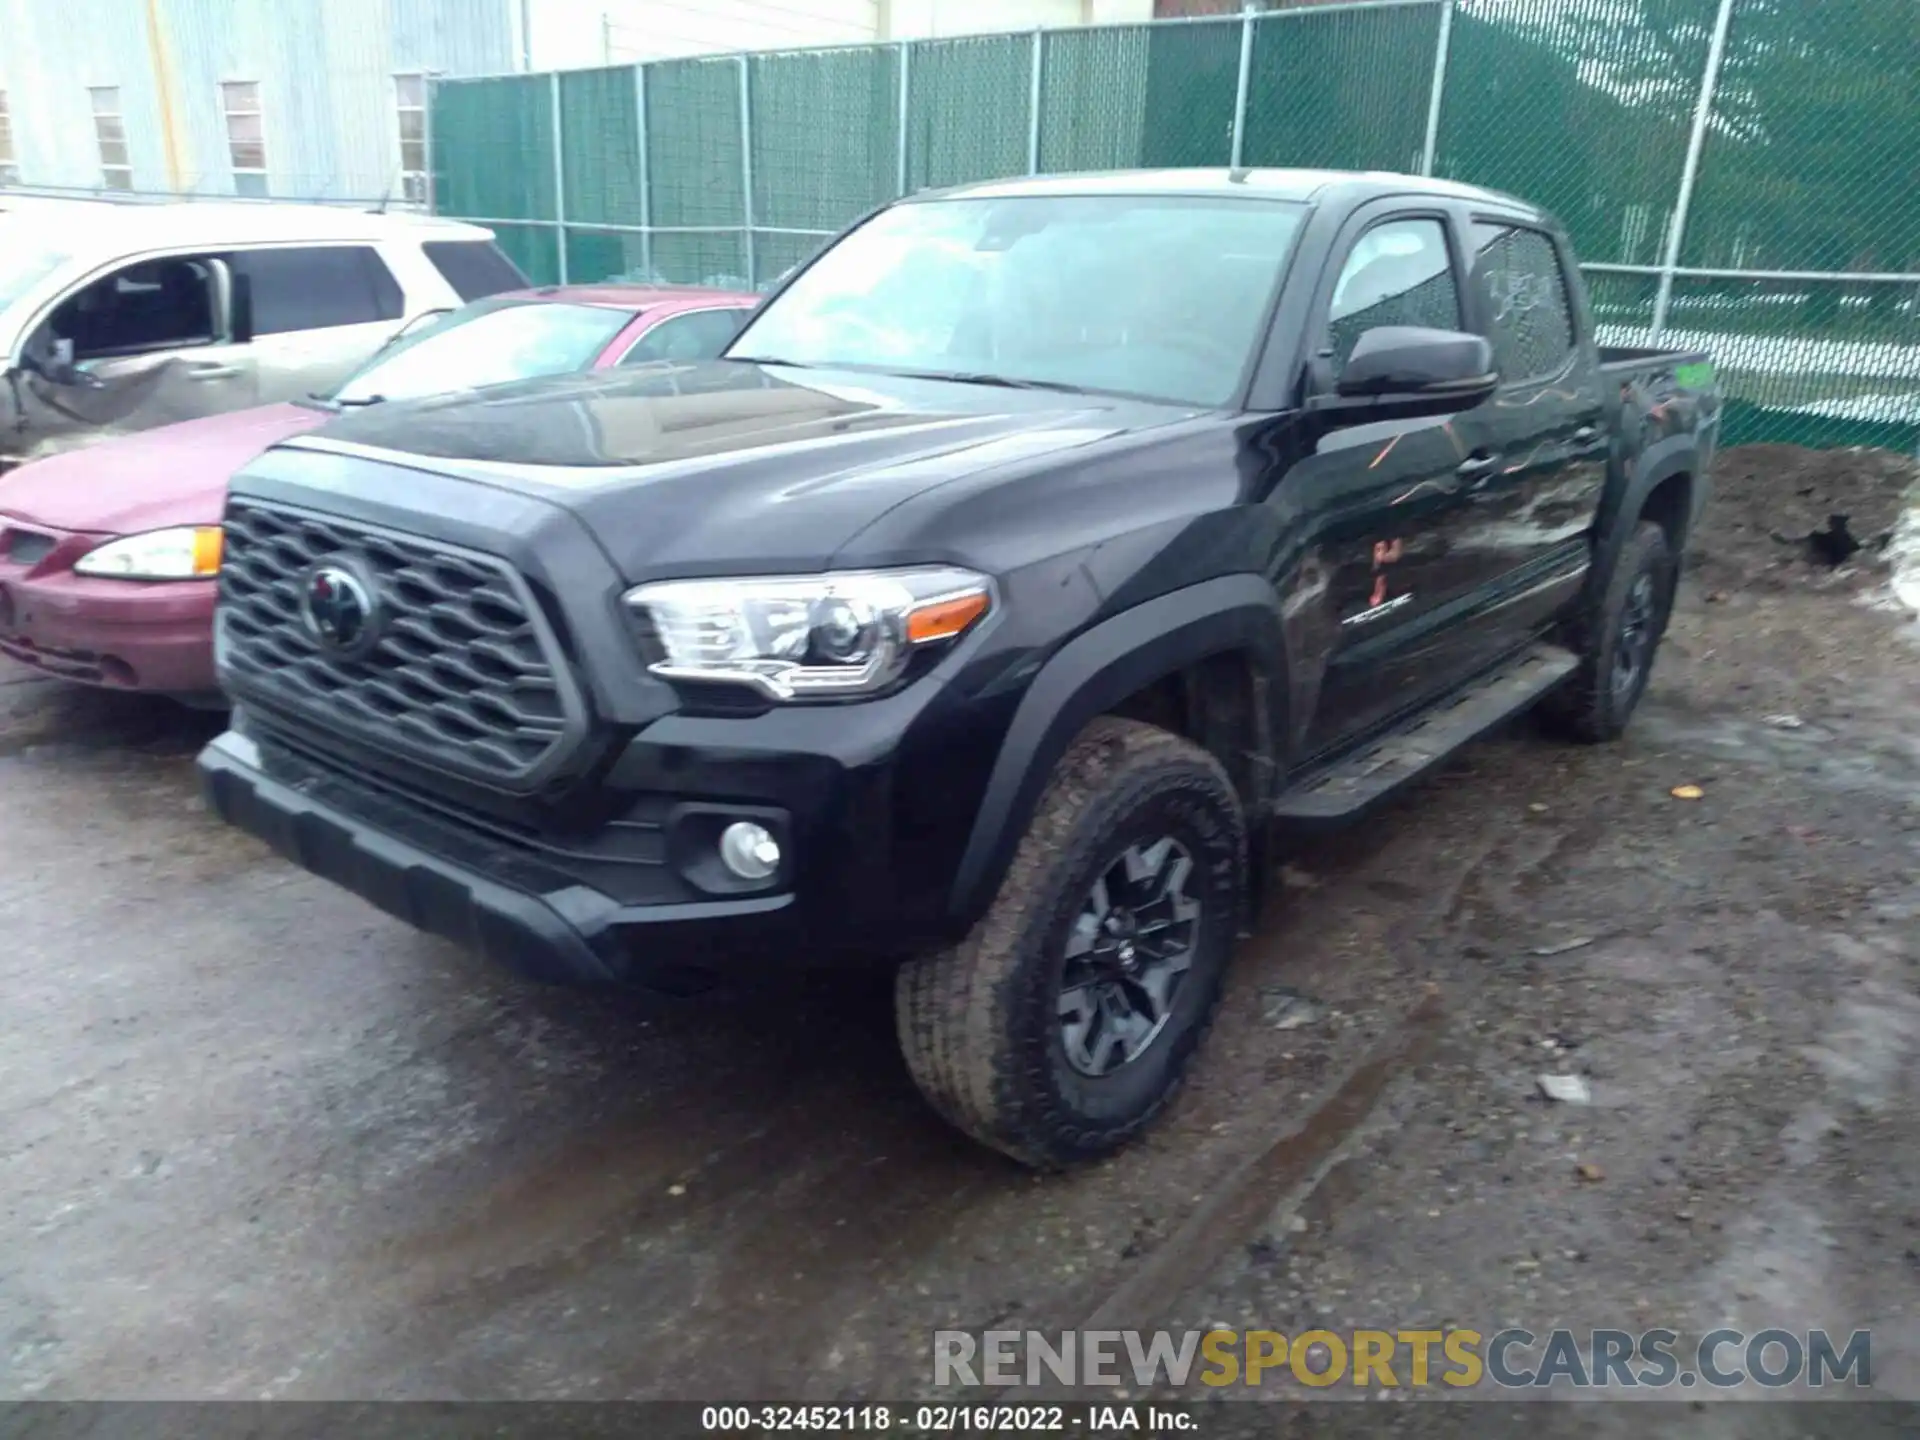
x=696 y=335
x=1526 y=293
x=474 y=269
x=318 y=287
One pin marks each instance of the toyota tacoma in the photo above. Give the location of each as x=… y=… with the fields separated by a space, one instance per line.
x=1041 y=557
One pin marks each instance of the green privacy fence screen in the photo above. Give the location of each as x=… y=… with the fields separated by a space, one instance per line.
x=1737 y=175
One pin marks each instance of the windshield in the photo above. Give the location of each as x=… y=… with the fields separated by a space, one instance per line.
x=25 y=260
x=488 y=343
x=1159 y=296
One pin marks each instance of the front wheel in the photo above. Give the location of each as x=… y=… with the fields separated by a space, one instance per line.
x=1617 y=640
x=1064 y=1021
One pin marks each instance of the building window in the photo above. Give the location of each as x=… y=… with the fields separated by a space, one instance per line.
x=246 y=137
x=411 y=93
x=9 y=167
x=111 y=131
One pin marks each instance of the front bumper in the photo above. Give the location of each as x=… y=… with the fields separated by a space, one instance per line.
x=126 y=635
x=463 y=887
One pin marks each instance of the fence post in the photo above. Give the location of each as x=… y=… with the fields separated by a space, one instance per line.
x=646 y=195
x=900 y=157
x=746 y=163
x=1430 y=151
x=559 y=179
x=1239 y=146
x=1690 y=172
x=426 y=120
x=1034 y=82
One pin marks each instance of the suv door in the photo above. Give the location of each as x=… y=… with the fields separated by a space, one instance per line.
x=318 y=312
x=1385 y=495
x=1531 y=513
x=150 y=343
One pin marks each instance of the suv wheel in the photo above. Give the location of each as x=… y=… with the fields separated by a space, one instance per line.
x=1617 y=641
x=1058 y=1028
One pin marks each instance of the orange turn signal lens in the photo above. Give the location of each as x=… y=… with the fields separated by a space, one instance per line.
x=944 y=619
x=209 y=541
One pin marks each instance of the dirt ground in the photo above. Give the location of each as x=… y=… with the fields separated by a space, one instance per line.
x=257 y=1140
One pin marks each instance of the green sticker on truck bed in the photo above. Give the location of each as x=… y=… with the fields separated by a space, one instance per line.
x=1696 y=376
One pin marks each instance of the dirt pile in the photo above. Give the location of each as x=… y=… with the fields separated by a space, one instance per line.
x=1784 y=517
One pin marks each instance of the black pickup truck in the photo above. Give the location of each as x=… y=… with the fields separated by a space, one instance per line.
x=1041 y=556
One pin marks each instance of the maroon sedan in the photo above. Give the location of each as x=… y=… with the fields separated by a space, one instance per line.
x=108 y=554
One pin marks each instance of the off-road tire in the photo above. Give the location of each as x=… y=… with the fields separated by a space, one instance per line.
x=1588 y=708
x=979 y=1023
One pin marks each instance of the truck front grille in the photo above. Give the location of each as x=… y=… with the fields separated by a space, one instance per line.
x=463 y=675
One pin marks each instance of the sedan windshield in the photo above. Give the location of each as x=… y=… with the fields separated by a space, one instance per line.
x=1157 y=296
x=488 y=343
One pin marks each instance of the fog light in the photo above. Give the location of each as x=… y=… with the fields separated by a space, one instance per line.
x=749 y=851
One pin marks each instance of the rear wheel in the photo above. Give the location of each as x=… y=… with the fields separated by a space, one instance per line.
x=1617 y=641
x=1059 y=1027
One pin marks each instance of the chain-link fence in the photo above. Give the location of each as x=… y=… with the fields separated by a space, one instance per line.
x=1737 y=175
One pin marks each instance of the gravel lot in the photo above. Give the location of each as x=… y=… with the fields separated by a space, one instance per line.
x=258 y=1140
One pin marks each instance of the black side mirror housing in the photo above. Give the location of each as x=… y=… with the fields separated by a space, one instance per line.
x=1402 y=371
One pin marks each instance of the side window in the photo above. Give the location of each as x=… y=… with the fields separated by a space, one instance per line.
x=474 y=269
x=318 y=287
x=1531 y=323
x=701 y=335
x=1398 y=273
x=154 y=305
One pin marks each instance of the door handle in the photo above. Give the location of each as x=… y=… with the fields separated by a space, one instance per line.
x=1586 y=434
x=214 y=372
x=1477 y=467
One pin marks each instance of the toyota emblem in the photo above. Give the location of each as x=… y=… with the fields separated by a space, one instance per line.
x=340 y=610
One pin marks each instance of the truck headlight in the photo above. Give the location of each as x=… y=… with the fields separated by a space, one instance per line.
x=190 y=552
x=797 y=636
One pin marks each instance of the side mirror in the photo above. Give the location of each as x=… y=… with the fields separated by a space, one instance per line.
x=60 y=368
x=1402 y=371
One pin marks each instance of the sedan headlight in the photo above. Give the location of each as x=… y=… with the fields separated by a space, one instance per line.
x=191 y=552
x=798 y=636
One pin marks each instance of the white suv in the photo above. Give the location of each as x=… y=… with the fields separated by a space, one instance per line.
x=123 y=317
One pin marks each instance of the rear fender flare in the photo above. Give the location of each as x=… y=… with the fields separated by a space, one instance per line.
x=1091 y=675
x=1676 y=455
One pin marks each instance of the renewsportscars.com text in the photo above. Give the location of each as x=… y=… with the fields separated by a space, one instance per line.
x=1508 y=1359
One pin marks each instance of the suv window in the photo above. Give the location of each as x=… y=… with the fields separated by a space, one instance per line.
x=1531 y=324
x=154 y=305
x=474 y=268
x=698 y=335
x=318 y=287
x=1399 y=273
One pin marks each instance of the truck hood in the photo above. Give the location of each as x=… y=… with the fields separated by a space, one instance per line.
x=727 y=465
x=175 y=475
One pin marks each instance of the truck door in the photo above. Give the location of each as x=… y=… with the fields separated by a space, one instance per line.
x=1383 y=500
x=1525 y=535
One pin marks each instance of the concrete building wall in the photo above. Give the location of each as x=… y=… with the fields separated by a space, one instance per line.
x=325 y=70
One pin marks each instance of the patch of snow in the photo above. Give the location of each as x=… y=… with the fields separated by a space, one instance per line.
x=1903 y=554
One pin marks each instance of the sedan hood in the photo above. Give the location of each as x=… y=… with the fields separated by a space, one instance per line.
x=724 y=466
x=175 y=475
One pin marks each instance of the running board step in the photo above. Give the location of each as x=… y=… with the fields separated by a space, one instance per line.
x=1371 y=773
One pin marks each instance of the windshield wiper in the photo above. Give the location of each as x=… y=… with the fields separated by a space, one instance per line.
x=770 y=360
x=1005 y=382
